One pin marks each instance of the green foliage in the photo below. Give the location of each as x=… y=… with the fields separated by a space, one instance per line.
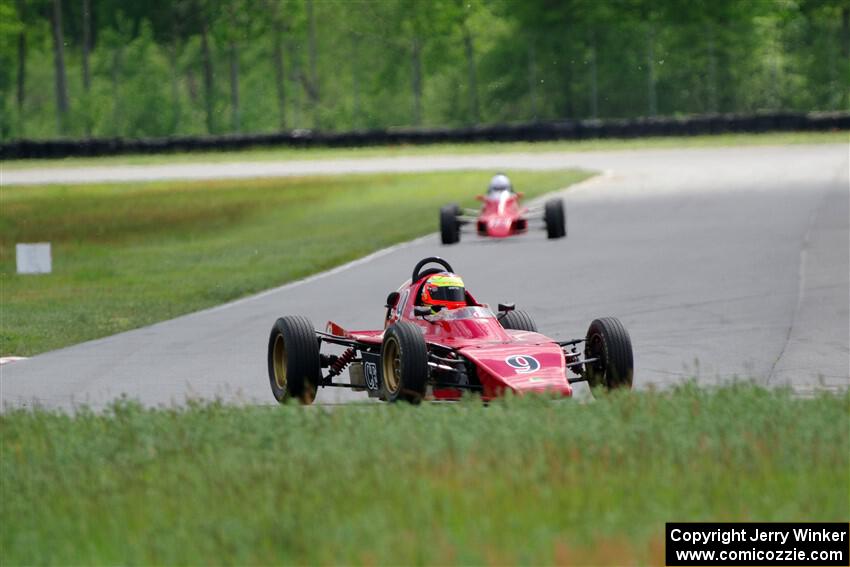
x=128 y=255
x=10 y=28
x=529 y=59
x=526 y=481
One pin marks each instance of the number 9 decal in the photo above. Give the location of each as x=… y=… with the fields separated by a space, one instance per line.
x=523 y=363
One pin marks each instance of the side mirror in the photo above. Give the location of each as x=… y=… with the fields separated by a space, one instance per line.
x=520 y=194
x=505 y=307
x=421 y=310
x=480 y=197
x=392 y=300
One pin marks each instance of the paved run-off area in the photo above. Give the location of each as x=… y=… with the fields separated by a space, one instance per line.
x=721 y=262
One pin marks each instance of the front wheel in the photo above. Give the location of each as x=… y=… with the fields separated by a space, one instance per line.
x=404 y=359
x=556 y=219
x=609 y=344
x=449 y=224
x=294 y=365
x=518 y=320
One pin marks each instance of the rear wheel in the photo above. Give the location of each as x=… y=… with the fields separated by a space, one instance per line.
x=293 y=358
x=556 y=219
x=449 y=224
x=608 y=342
x=518 y=321
x=404 y=359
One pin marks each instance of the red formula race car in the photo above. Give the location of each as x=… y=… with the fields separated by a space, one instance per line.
x=438 y=342
x=502 y=215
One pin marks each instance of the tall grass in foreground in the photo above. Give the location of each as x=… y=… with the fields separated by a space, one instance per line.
x=521 y=481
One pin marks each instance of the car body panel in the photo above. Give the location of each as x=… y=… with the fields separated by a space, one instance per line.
x=530 y=363
x=502 y=215
x=505 y=359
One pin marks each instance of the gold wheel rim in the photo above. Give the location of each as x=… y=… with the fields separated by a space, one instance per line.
x=279 y=358
x=392 y=365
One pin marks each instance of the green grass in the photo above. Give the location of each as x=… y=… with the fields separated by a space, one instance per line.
x=266 y=154
x=128 y=255
x=522 y=481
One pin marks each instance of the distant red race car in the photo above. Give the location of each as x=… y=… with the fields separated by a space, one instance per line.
x=502 y=215
x=425 y=351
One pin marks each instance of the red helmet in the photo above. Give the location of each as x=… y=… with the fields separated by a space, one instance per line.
x=444 y=289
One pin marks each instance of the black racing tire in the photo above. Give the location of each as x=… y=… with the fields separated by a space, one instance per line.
x=608 y=340
x=404 y=359
x=556 y=219
x=518 y=321
x=449 y=224
x=294 y=365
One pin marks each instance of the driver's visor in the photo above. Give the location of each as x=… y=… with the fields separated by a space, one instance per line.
x=447 y=293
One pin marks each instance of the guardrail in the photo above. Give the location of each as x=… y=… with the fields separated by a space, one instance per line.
x=517 y=132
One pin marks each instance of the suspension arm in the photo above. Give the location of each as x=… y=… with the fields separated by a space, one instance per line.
x=580 y=362
x=342 y=341
x=443 y=367
x=443 y=359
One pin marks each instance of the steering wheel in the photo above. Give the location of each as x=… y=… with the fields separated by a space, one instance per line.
x=417 y=274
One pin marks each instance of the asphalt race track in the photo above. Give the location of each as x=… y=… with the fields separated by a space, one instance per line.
x=720 y=262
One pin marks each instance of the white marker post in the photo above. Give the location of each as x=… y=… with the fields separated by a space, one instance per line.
x=33 y=258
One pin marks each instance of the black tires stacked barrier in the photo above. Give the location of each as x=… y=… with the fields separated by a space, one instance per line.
x=528 y=132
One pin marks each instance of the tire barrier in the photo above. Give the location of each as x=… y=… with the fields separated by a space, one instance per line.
x=515 y=132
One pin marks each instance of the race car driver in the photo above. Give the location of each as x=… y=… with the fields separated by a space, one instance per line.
x=499 y=183
x=444 y=291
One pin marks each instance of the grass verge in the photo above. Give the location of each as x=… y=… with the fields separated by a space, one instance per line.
x=522 y=481
x=274 y=154
x=128 y=255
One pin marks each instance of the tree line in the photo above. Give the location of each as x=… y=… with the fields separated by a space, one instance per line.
x=80 y=68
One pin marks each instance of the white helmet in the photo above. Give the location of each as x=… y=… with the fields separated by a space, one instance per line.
x=500 y=182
